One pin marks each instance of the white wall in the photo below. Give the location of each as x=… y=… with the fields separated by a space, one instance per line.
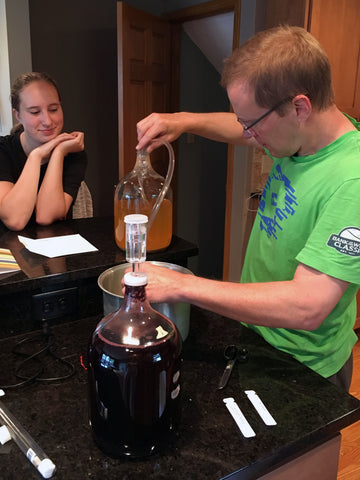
x=15 y=53
x=5 y=110
x=213 y=35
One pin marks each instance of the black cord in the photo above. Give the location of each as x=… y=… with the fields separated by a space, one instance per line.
x=49 y=348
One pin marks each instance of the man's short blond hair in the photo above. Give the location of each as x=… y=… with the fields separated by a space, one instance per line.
x=281 y=63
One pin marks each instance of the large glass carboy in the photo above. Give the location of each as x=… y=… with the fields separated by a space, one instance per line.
x=134 y=364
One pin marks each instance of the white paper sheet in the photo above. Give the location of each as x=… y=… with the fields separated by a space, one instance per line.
x=58 y=246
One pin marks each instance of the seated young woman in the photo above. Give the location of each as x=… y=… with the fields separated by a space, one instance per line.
x=41 y=167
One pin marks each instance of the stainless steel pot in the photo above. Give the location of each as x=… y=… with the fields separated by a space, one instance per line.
x=110 y=283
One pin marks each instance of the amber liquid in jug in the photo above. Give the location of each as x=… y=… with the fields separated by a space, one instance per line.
x=137 y=192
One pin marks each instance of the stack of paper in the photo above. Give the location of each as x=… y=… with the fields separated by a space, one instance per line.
x=7 y=261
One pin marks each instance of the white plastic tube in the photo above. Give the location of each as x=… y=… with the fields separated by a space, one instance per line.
x=26 y=443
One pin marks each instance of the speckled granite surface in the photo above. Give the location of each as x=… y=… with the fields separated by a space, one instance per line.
x=38 y=270
x=40 y=274
x=307 y=408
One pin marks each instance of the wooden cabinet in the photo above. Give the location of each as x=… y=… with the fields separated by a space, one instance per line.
x=336 y=24
x=357 y=322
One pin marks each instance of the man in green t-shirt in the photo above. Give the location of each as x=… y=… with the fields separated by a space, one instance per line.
x=302 y=267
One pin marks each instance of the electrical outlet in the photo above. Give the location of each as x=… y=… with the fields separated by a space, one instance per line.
x=56 y=304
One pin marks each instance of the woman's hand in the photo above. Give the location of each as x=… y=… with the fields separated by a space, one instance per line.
x=52 y=202
x=44 y=151
x=71 y=143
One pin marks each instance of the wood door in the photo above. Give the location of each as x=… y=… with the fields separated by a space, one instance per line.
x=144 y=79
x=357 y=322
x=336 y=24
x=178 y=17
x=140 y=94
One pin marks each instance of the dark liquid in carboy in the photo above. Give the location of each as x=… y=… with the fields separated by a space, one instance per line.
x=134 y=397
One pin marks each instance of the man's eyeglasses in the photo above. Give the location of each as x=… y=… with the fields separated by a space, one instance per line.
x=249 y=127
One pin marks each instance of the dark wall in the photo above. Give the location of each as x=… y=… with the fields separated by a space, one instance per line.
x=75 y=42
x=203 y=164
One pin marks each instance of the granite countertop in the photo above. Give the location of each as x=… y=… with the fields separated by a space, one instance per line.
x=79 y=272
x=308 y=410
x=39 y=271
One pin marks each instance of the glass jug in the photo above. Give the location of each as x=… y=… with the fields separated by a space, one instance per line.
x=146 y=192
x=134 y=376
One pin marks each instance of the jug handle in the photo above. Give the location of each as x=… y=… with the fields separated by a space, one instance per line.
x=165 y=186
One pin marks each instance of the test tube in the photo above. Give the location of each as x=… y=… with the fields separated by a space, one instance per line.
x=26 y=443
x=136 y=229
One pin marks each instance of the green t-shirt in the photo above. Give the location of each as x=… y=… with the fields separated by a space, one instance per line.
x=310 y=213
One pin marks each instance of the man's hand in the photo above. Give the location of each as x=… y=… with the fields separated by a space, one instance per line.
x=158 y=128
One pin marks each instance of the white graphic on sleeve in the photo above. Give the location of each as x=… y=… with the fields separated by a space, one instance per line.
x=346 y=242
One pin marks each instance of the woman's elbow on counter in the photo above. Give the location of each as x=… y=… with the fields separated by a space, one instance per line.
x=45 y=220
x=15 y=224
